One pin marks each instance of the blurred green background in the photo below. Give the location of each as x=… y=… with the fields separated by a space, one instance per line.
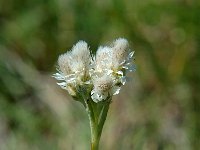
x=159 y=109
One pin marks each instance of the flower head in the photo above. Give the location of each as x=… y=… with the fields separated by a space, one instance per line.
x=103 y=59
x=73 y=67
x=80 y=57
x=64 y=63
x=120 y=51
x=103 y=88
x=106 y=72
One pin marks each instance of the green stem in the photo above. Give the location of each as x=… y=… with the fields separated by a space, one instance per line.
x=102 y=118
x=93 y=125
x=93 y=128
x=97 y=119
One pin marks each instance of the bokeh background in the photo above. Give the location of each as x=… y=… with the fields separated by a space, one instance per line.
x=159 y=109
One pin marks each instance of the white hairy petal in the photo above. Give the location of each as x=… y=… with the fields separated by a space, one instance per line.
x=62 y=83
x=123 y=80
x=131 y=54
x=115 y=90
x=58 y=76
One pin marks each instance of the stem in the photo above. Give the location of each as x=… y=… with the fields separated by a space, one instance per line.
x=97 y=119
x=99 y=123
x=103 y=118
x=93 y=125
x=93 y=128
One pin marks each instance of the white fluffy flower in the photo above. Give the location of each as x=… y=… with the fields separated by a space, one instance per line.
x=122 y=55
x=103 y=87
x=73 y=67
x=120 y=51
x=80 y=57
x=115 y=60
x=63 y=63
x=103 y=59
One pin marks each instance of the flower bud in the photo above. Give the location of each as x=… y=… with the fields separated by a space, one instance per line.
x=103 y=84
x=103 y=58
x=120 y=50
x=63 y=63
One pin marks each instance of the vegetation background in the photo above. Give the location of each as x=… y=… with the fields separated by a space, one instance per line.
x=159 y=109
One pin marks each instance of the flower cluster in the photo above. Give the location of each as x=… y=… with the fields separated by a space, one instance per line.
x=102 y=75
